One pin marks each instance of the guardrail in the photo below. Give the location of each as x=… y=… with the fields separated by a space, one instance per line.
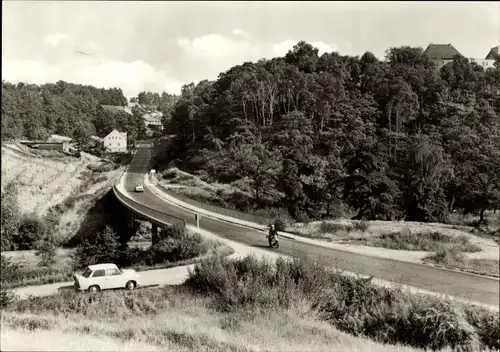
x=150 y=213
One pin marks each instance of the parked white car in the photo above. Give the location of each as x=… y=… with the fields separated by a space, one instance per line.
x=139 y=188
x=106 y=276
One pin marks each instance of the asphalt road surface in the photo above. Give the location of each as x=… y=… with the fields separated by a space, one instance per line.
x=463 y=285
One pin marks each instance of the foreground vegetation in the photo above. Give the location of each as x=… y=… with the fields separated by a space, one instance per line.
x=251 y=305
x=175 y=246
x=352 y=305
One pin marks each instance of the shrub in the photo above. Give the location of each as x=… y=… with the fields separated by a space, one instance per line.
x=352 y=305
x=10 y=216
x=175 y=244
x=9 y=271
x=333 y=227
x=361 y=225
x=280 y=224
x=486 y=324
x=46 y=250
x=103 y=247
x=31 y=229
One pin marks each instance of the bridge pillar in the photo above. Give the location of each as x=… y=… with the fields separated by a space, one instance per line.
x=130 y=219
x=154 y=232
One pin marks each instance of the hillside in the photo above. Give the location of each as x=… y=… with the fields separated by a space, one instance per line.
x=51 y=183
x=333 y=136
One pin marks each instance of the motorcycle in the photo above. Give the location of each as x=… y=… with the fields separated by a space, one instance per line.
x=273 y=242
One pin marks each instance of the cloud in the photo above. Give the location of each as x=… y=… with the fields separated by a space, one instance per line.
x=282 y=48
x=240 y=32
x=54 y=39
x=213 y=46
x=131 y=77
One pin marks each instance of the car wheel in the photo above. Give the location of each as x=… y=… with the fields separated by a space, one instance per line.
x=94 y=289
x=130 y=285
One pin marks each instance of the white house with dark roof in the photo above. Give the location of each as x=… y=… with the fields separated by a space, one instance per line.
x=115 y=142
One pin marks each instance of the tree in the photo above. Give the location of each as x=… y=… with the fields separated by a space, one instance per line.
x=46 y=250
x=32 y=228
x=10 y=216
x=103 y=247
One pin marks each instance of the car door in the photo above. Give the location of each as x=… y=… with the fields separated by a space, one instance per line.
x=99 y=279
x=114 y=278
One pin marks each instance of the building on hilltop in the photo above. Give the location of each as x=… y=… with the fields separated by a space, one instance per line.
x=115 y=142
x=441 y=54
x=494 y=52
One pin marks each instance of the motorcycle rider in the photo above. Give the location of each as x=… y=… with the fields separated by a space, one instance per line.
x=273 y=233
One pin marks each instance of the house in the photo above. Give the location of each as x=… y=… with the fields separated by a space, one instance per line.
x=114 y=109
x=116 y=142
x=494 y=52
x=152 y=120
x=485 y=63
x=441 y=54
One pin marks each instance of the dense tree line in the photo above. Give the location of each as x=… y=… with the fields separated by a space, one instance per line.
x=35 y=112
x=391 y=139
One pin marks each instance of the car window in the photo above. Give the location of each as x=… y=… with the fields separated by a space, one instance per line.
x=87 y=273
x=98 y=273
x=111 y=272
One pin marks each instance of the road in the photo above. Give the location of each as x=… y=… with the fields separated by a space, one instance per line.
x=457 y=284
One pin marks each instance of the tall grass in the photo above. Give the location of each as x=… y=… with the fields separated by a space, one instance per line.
x=422 y=241
x=352 y=305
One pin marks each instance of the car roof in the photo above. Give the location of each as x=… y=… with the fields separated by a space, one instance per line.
x=102 y=266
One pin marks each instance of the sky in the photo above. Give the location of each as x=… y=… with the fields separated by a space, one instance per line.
x=160 y=46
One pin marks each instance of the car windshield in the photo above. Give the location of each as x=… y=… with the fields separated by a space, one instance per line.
x=87 y=272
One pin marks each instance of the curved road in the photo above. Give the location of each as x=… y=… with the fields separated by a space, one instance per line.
x=462 y=285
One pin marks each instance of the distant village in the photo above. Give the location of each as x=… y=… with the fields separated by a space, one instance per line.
x=113 y=142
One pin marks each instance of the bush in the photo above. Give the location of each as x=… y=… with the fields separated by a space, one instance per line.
x=334 y=228
x=10 y=216
x=175 y=244
x=9 y=271
x=280 y=224
x=352 y=305
x=31 y=229
x=46 y=250
x=361 y=225
x=103 y=247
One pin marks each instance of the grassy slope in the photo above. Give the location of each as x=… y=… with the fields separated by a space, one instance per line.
x=173 y=319
x=44 y=182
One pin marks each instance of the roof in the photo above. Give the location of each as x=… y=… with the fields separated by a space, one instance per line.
x=123 y=134
x=115 y=109
x=493 y=53
x=96 y=138
x=441 y=51
x=59 y=138
x=102 y=266
x=153 y=116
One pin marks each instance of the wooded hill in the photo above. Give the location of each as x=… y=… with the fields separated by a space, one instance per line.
x=391 y=139
x=35 y=112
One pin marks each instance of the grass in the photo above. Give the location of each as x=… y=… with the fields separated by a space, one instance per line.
x=453 y=258
x=233 y=199
x=170 y=318
x=421 y=241
x=254 y=305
